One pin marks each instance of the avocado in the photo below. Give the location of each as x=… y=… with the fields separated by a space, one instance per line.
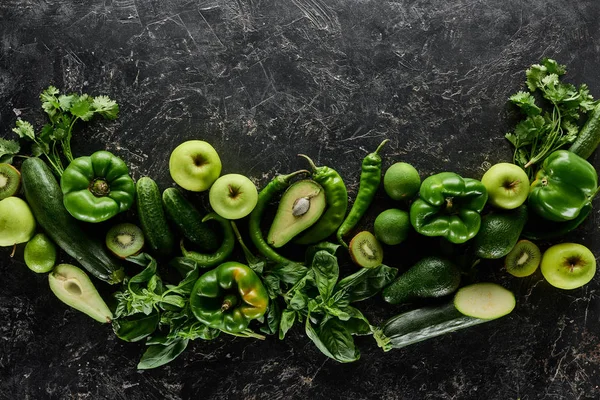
x=300 y=206
x=429 y=277
x=74 y=288
x=499 y=232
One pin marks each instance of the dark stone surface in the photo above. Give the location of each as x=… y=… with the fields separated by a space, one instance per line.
x=263 y=80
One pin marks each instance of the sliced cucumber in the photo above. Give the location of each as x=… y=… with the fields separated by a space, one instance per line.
x=484 y=301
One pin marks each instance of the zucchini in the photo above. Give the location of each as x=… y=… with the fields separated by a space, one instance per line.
x=152 y=217
x=46 y=202
x=589 y=136
x=189 y=221
x=426 y=323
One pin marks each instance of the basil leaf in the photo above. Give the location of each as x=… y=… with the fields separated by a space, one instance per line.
x=289 y=273
x=326 y=272
x=148 y=272
x=328 y=247
x=174 y=300
x=135 y=327
x=288 y=317
x=333 y=339
x=299 y=301
x=365 y=283
x=272 y=284
x=157 y=355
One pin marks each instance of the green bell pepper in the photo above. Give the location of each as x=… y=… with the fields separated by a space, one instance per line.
x=564 y=185
x=229 y=297
x=97 y=187
x=449 y=206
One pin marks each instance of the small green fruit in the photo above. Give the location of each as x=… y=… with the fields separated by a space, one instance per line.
x=401 y=181
x=568 y=265
x=17 y=224
x=392 y=226
x=40 y=254
x=507 y=185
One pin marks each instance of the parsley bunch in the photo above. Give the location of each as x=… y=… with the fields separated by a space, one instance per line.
x=63 y=111
x=543 y=131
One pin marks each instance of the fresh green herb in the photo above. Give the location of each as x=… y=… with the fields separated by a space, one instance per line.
x=8 y=149
x=147 y=308
x=63 y=112
x=322 y=302
x=542 y=132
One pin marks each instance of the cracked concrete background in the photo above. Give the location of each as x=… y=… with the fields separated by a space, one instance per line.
x=264 y=80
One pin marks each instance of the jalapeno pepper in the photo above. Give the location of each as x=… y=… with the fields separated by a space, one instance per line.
x=336 y=196
x=277 y=184
x=449 y=206
x=97 y=187
x=221 y=254
x=370 y=178
x=229 y=297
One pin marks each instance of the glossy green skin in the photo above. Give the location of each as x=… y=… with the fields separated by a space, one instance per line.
x=336 y=196
x=229 y=297
x=370 y=178
x=277 y=185
x=564 y=185
x=222 y=253
x=449 y=206
x=79 y=177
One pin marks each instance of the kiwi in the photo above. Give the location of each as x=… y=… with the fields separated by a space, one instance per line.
x=366 y=250
x=125 y=240
x=523 y=259
x=10 y=180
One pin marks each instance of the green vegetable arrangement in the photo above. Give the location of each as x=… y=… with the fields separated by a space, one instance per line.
x=202 y=289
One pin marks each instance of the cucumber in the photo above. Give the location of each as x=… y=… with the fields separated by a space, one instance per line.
x=189 y=221
x=46 y=202
x=426 y=323
x=589 y=136
x=152 y=217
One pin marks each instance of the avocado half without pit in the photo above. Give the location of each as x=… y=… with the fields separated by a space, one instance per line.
x=300 y=206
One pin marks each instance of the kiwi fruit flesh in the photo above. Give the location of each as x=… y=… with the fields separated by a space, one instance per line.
x=365 y=250
x=10 y=180
x=125 y=240
x=523 y=259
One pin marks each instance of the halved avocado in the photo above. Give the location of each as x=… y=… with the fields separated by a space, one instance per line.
x=74 y=288
x=300 y=206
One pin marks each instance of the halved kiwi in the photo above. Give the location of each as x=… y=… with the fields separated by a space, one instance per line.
x=523 y=259
x=125 y=239
x=366 y=250
x=10 y=180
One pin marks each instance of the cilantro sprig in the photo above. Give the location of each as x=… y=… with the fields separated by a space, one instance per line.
x=63 y=111
x=547 y=127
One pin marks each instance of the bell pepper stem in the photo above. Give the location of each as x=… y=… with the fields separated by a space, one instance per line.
x=229 y=302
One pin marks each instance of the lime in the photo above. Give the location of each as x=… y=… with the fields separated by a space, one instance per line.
x=401 y=181
x=392 y=226
x=40 y=254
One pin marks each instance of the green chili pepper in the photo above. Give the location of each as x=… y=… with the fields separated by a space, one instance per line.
x=222 y=253
x=336 y=196
x=370 y=178
x=277 y=184
x=97 y=187
x=229 y=297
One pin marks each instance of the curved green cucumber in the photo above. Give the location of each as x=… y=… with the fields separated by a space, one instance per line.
x=589 y=136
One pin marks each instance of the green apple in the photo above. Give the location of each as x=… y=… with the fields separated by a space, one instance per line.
x=507 y=185
x=568 y=265
x=17 y=224
x=233 y=196
x=195 y=165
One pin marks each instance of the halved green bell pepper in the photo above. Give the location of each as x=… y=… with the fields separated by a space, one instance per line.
x=563 y=186
x=229 y=297
x=449 y=206
x=97 y=187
